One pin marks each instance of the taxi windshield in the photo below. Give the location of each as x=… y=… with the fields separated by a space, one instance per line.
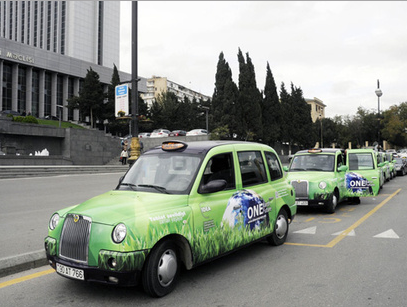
x=171 y=173
x=316 y=163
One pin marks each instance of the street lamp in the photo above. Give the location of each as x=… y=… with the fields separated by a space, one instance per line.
x=320 y=118
x=379 y=94
x=206 y=110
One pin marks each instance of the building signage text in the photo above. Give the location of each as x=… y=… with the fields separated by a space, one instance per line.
x=16 y=56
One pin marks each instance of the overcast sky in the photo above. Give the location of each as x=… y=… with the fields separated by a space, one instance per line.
x=335 y=51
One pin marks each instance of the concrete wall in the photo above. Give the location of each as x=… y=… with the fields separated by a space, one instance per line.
x=65 y=146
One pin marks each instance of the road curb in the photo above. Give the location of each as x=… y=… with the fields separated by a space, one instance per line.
x=22 y=262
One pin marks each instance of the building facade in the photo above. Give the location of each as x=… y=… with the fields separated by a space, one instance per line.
x=158 y=85
x=317 y=108
x=47 y=47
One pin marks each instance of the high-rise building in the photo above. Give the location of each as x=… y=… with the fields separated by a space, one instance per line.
x=46 y=48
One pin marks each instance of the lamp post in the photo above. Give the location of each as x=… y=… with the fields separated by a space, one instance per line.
x=379 y=94
x=135 y=144
x=322 y=139
x=206 y=110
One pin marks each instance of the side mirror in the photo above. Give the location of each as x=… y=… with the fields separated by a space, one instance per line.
x=213 y=186
x=285 y=168
x=343 y=168
x=381 y=164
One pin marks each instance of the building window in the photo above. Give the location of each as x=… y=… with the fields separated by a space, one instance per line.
x=100 y=33
x=29 y=22
x=48 y=25
x=60 y=92
x=10 y=26
x=42 y=25
x=35 y=93
x=23 y=22
x=7 y=89
x=47 y=94
x=16 y=22
x=21 y=89
x=63 y=19
x=55 y=26
x=35 y=23
x=70 y=94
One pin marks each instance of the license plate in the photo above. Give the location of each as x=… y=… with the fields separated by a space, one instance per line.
x=70 y=272
x=301 y=202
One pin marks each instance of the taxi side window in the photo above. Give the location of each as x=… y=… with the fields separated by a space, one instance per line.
x=274 y=166
x=220 y=167
x=339 y=161
x=252 y=168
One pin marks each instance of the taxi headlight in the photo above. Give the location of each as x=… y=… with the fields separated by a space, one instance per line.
x=53 y=222
x=119 y=233
x=322 y=185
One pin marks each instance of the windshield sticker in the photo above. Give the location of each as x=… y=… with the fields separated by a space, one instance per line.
x=358 y=185
x=248 y=209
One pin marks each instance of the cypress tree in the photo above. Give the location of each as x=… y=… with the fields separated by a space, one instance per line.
x=224 y=99
x=271 y=110
x=249 y=100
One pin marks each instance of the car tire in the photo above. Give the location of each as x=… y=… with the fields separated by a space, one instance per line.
x=161 y=271
x=332 y=203
x=280 y=230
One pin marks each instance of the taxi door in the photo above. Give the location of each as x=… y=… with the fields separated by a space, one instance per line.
x=363 y=175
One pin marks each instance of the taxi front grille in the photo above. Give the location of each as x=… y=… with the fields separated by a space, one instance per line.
x=74 y=241
x=301 y=189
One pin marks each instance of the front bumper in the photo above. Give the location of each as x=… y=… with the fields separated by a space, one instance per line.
x=95 y=274
x=116 y=268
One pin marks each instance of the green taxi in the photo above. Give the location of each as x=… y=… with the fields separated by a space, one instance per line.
x=384 y=165
x=365 y=176
x=180 y=204
x=318 y=177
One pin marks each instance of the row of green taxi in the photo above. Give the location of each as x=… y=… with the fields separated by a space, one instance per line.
x=324 y=177
x=186 y=203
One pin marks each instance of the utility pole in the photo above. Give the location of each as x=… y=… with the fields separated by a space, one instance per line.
x=135 y=144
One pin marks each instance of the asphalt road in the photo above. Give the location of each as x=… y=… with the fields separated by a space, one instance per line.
x=355 y=257
x=26 y=204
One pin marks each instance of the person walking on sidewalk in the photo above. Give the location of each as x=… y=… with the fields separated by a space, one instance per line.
x=124 y=155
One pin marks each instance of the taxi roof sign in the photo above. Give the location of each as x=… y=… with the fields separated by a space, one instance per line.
x=314 y=150
x=173 y=145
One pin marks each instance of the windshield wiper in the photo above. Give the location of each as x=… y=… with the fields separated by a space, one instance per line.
x=158 y=188
x=131 y=185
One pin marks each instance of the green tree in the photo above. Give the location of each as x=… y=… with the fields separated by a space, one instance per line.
x=223 y=107
x=301 y=113
x=271 y=110
x=394 y=122
x=249 y=100
x=90 y=99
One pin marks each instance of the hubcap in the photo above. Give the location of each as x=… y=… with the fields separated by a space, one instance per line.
x=167 y=267
x=334 y=201
x=281 y=226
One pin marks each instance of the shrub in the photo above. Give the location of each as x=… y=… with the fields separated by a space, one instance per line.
x=25 y=119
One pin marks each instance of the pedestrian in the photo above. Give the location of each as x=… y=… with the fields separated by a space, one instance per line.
x=124 y=156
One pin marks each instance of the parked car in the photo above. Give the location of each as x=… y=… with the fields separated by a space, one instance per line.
x=7 y=112
x=144 y=135
x=318 y=177
x=180 y=204
x=401 y=166
x=178 y=133
x=391 y=163
x=159 y=133
x=365 y=175
x=382 y=161
x=197 y=132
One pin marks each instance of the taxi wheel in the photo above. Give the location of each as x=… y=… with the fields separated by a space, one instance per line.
x=161 y=271
x=331 y=205
x=280 y=231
